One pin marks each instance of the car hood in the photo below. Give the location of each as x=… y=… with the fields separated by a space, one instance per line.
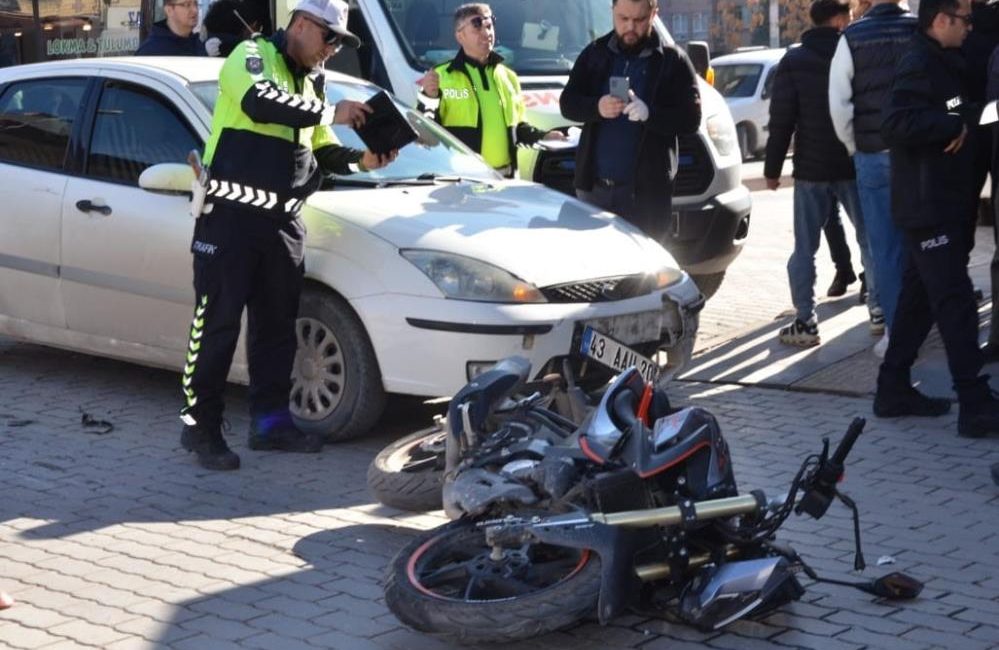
x=539 y=235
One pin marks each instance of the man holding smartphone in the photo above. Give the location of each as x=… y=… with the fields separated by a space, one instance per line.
x=634 y=95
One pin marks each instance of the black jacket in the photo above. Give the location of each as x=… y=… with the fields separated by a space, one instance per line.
x=799 y=107
x=926 y=109
x=163 y=42
x=877 y=42
x=675 y=110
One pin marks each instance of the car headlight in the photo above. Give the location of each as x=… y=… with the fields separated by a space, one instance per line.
x=668 y=276
x=464 y=278
x=721 y=130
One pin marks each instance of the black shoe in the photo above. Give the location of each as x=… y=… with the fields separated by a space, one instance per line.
x=862 y=298
x=207 y=443
x=281 y=434
x=900 y=401
x=977 y=419
x=840 y=283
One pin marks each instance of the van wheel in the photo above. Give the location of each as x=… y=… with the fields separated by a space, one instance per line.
x=336 y=384
x=742 y=133
x=709 y=282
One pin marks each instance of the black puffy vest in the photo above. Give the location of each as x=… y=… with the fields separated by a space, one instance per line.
x=877 y=42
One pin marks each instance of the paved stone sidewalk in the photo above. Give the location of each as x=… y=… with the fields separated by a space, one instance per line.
x=117 y=540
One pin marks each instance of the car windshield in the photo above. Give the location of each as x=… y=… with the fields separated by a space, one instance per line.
x=435 y=153
x=534 y=37
x=737 y=80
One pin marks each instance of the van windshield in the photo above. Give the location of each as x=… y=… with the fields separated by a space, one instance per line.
x=536 y=37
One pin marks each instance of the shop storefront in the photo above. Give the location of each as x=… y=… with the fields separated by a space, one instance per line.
x=43 y=30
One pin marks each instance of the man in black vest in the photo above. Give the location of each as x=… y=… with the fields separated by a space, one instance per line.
x=823 y=171
x=859 y=78
x=927 y=121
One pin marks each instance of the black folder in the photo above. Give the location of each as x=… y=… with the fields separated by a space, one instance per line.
x=385 y=127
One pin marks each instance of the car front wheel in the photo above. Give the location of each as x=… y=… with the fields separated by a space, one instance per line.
x=336 y=384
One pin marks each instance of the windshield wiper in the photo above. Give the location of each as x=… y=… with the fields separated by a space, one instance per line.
x=427 y=178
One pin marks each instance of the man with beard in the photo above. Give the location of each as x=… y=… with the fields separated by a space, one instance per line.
x=627 y=155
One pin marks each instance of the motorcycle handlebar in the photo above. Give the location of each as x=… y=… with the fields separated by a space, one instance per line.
x=846 y=444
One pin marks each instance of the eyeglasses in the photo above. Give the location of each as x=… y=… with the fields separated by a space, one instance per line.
x=965 y=17
x=184 y=5
x=330 y=37
x=479 y=22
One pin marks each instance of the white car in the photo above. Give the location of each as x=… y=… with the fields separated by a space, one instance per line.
x=419 y=275
x=745 y=79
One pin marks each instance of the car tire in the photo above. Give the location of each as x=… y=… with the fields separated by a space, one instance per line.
x=709 y=282
x=336 y=383
x=742 y=133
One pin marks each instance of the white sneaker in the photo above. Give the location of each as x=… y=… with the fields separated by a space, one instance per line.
x=881 y=346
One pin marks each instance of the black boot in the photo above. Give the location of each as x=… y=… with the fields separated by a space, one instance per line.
x=206 y=441
x=897 y=397
x=278 y=432
x=839 y=284
x=979 y=414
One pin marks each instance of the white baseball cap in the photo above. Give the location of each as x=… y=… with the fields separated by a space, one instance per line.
x=333 y=14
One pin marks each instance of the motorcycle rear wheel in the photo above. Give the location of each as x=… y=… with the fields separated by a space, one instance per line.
x=409 y=473
x=445 y=583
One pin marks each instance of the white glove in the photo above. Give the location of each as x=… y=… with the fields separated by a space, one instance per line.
x=214 y=46
x=636 y=110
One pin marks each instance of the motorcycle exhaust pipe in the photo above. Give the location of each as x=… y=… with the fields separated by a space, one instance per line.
x=674 y=515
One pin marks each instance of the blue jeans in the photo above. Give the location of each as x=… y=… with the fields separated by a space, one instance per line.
x=885 y=239
x=813 y=203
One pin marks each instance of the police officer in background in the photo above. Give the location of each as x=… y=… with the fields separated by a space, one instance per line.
x=269 y=147
x=927 y=123
x=477 y=98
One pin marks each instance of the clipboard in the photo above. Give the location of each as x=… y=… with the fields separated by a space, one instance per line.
x=385 y=128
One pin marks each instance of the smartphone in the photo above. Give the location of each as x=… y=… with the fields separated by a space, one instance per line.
x=619 y=87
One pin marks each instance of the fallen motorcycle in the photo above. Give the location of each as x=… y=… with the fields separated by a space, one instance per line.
x=636 y=507
x=408 y=474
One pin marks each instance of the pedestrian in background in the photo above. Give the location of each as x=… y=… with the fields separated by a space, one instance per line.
x=477 y=98
x=174 y=35
x=823 y=172
x=927 y=122
x=627 y=154
x=270 y=138
x=859 y=79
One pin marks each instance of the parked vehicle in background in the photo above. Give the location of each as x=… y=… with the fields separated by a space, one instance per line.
x=418 y=275
x=745 y=80
x=540 y=41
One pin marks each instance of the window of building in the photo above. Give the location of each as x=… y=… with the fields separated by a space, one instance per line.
x=699 y=24
x=36 y=119
x=680 y=26
x=135 y=129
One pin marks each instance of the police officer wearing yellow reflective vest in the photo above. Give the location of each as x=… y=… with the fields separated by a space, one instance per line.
x=269 y=147
x=478 y=98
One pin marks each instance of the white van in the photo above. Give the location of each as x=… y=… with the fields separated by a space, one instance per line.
x=540 y=40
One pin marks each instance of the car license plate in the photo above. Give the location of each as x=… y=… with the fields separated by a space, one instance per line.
x=629 y=329
x=615 y=355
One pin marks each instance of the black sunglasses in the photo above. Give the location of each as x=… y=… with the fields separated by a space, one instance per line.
x=329 y=36
x=478 y=21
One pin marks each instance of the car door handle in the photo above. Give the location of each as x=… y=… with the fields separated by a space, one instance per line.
x=88 y=206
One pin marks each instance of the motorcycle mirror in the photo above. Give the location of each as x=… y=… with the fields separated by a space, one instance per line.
x=895 y=586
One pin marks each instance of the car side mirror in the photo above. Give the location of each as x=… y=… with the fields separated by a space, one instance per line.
x=167 y=177
x=700 y=56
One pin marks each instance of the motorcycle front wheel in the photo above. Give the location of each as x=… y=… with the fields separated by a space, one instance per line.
x=409 y=473
x=447 y=582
